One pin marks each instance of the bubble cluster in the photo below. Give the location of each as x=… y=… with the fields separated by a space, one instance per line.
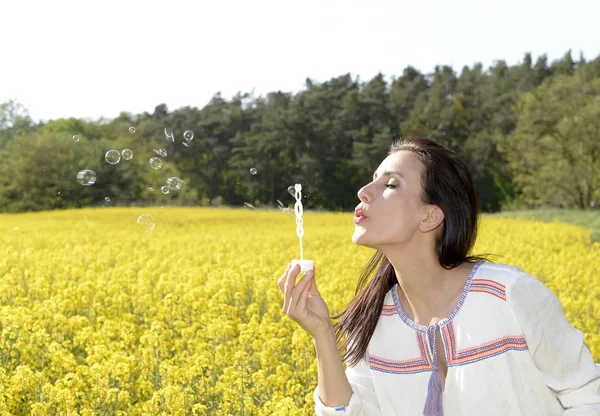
x=86 y=177
x=112 y=156
x=188 y=135
x=146 y=223
x=160 y=152
x=127 y=154
x=174 y=183
x=155 y=163
x=253 y=171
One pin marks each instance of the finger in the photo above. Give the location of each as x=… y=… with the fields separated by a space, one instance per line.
x=303 y=296
x=289 y=284
x=296 y=293
x=313 y=291
x=281 y=280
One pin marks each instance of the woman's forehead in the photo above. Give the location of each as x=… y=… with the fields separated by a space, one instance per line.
x=404 y=162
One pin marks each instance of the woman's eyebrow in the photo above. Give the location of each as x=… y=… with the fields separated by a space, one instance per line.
x=388 y=173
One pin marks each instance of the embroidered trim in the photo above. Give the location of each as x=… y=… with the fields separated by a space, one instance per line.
x=388 y=310
x=489 y=286
x=442 y=322
x=480 y=352
x=412 y=366
x=454 y=357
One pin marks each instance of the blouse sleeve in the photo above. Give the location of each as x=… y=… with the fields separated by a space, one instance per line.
x=556 y=347
x=363 y=401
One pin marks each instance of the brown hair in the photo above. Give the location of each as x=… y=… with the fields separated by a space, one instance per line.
x=445 y=182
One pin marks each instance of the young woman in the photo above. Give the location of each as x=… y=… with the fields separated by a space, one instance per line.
x=437 y=331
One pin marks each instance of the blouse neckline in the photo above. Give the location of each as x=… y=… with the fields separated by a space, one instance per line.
x=441 y=322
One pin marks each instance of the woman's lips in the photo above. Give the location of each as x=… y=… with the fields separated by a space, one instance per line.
x=358 y=219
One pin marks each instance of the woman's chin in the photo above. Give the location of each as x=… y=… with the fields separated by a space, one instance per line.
x=359 y=239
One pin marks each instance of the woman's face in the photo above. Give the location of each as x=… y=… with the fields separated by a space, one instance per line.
x=391 y=202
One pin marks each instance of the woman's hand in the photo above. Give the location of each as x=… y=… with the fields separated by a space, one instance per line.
x=302 y=301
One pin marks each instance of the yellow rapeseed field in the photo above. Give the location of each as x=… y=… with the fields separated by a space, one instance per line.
x=99 y=318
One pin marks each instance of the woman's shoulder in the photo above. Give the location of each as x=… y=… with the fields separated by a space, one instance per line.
x=506 y=274
x=513 y=279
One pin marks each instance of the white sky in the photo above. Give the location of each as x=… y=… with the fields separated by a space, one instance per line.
x=92 y=58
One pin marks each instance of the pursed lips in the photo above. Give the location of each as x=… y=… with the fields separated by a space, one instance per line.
x=359 y=216
x=359 y=213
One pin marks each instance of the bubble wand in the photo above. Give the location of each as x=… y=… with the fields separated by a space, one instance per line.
x=305 y=265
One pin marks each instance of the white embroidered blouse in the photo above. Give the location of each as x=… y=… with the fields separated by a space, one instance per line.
x=508 y=346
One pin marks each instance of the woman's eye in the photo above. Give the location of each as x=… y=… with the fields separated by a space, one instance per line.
x=389 y=185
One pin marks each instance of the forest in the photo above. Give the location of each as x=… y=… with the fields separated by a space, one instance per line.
x=530 y=133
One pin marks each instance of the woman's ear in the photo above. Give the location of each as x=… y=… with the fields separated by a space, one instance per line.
x=435 y=217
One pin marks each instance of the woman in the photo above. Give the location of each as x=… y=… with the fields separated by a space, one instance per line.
x=437 y=331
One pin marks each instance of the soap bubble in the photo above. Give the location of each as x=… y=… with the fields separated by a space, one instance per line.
x=127 y=154
x=169 y=135
x=164 y=189
x=249 y=205
x=75 y=138
x=174 y=183
x=253 y=171
x=188 y=135
x=146 y=223
x=107 y=199
x=281 y=206
x=155 y=163
x=292 y=191
x=160 y=152
x=131 y=129
x=86 y=177
x=113 y=157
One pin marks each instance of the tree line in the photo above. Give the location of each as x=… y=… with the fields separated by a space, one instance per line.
x=530 y=133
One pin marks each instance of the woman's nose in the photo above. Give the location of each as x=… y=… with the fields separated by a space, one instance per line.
x=362 y=195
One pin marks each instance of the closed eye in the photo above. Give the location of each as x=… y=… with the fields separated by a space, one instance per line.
x=391 y=185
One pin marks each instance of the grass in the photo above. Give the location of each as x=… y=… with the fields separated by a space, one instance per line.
x=588 y=219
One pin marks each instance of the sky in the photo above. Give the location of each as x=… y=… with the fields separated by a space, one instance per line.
x=91 y=59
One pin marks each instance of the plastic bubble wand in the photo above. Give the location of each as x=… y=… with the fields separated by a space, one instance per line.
x=305 y=265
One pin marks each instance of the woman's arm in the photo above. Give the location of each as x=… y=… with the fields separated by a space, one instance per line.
x=342 y=393
x=557 y=347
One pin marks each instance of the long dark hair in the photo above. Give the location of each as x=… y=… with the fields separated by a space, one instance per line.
x=445 y=182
